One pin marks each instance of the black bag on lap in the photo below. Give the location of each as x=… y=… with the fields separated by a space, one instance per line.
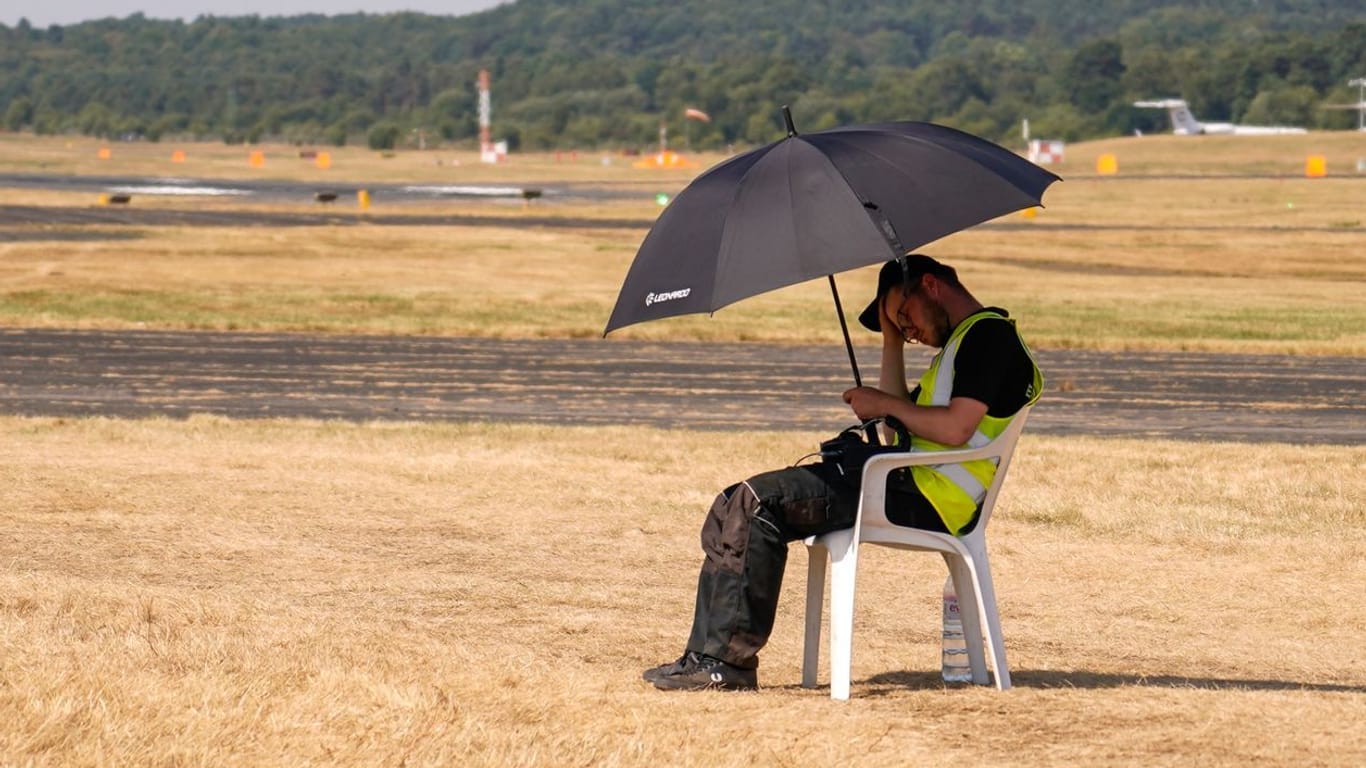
x=850 y=449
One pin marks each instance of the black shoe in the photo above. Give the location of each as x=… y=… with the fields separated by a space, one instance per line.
x=709 y=673
x=686 y=663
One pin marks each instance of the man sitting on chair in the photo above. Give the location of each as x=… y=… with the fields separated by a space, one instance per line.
x=981 y=377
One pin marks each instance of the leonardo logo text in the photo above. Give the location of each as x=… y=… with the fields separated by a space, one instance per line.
x=655 y=298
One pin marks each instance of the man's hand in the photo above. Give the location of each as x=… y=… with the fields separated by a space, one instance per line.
x=869 y=402
x=887 y=308
x=951 y=425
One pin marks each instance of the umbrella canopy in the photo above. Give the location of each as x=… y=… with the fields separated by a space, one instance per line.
x=815 y=204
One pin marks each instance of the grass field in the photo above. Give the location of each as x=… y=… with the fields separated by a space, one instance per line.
x=1147 y=155
x=1269 y=291
x=1212 y=262
x=212 y=592
x=282 y=593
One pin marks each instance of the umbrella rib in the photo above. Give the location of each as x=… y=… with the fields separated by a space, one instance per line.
x=895 y=247
x=791 y=191
x=723 y=252
x=973 y=156
x=964 y=149
x=968 y=156
x=845 y=188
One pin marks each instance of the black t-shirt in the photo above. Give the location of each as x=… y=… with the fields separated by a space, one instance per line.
x=993 y=367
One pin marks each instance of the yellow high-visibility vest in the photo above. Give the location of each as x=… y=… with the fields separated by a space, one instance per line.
x=955 y=490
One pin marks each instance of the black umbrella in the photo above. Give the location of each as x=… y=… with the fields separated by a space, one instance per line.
x=815 y=204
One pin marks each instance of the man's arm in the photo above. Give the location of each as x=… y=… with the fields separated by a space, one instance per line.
x=892 y=378
x=951 y=424
x=892 y=375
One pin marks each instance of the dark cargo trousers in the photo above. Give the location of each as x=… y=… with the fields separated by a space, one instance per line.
x=745 y=540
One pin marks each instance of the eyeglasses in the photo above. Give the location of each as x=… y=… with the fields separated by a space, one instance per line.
x=903 y=320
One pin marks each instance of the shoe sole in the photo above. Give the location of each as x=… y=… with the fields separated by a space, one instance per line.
x=670 y=683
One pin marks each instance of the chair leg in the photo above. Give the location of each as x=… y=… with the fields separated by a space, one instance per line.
x=843 y=571
x=969 y=606
x=817 y=555
x=965 y=585
x=991 y=621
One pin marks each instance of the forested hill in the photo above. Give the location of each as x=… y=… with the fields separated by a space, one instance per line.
x=605 y=73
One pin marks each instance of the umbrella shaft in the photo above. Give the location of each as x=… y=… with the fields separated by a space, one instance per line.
x=849 y=346
x=844 y=326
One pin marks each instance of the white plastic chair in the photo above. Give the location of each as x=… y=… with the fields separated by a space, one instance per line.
x=966 y=557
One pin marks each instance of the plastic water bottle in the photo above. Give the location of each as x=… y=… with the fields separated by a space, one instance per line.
x=954 y=667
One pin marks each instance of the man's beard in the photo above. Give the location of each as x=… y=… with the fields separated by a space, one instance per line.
x=938 y=327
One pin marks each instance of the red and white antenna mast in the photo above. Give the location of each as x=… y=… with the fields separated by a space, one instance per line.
x=486 y=152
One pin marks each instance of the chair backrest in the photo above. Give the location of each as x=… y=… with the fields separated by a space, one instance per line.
x=1006 y=443
x=873 y=513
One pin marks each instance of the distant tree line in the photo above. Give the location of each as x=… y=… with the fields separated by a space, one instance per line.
x=606 y=73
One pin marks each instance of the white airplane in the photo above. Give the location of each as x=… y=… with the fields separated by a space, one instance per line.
x=1185 y=124
x=1360 y=106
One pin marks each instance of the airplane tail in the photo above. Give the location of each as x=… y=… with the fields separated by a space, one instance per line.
x=1182 y=120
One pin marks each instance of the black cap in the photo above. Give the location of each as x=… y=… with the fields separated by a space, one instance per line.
x=897 y=272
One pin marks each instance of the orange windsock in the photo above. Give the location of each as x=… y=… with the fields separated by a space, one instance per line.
x=697 y=114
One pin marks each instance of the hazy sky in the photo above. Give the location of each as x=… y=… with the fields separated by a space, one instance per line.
x=46 y=12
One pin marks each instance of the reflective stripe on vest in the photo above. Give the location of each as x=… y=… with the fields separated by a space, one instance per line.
x=955 y=490
x=942 y=391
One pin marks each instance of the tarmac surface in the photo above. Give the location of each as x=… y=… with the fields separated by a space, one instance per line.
x=284 y=190
x=26 y=223
x=140 y=374
x=146 y=207
x=31 y=223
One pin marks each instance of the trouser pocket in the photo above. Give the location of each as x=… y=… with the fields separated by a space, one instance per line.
x=805 y=501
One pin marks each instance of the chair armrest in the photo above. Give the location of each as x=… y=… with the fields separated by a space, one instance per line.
x=883 y=463
x=878 y=466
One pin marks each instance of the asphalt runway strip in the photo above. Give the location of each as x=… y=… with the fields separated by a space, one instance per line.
x=30 y=223
x=138 y=374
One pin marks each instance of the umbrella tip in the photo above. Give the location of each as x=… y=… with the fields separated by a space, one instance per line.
x=787 y=119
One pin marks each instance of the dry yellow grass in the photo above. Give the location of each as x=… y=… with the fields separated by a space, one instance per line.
x=1145 y=155
x=26 y=153
x=1216 y=155
x=241 y=593
x=259 y=593
x=1227 y=264
x=1261 y=290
